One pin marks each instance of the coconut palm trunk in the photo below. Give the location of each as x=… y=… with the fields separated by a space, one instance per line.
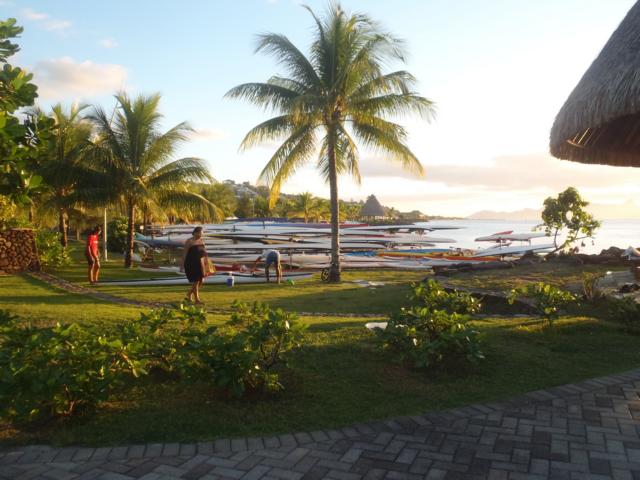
x=62 y=228
x=131 y=222
x=334 y=269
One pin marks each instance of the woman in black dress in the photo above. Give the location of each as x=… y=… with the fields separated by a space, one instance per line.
x=194 y=263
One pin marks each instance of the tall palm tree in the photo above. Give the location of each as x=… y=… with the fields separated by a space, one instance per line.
x=64 y=170
x=137 y=161
x=337 y=93
x=305 y=205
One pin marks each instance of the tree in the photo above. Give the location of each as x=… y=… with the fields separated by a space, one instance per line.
x=136 y=159
x=19 y=139
x=244 y=209
x=64 y=170
x=222 y=196
x=335 y=94
x=567 y=213
x=306 y=206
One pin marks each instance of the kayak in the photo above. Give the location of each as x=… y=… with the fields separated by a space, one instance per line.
x=212 y=280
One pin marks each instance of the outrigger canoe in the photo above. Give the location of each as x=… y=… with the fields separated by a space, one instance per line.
x=221 y=279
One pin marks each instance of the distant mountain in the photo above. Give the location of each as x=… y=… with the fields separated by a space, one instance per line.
x=624 y=211
x=526 y=214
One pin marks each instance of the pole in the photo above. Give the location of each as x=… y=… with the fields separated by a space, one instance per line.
x=104 y=235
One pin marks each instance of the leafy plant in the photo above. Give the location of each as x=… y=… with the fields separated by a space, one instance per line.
x=56 y=371
x=242 y=357
x=592 y=293
x=548 y=300
x=117 y=234
x=627 y=311
x=434 y=331
x=50 y=250
x=432 y=295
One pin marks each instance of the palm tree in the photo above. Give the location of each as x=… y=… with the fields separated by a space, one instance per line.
x=338 y=93
x=305 y=205
x=137 y=160
x=64 y=170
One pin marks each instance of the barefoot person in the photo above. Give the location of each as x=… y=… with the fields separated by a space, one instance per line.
x=195 y=263
x=270 y=257
x=93 y=255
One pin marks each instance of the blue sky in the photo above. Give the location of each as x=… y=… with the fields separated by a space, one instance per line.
x=498 y=71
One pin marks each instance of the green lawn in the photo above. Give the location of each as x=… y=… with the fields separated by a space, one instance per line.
x=339 y=377
x=311 y=295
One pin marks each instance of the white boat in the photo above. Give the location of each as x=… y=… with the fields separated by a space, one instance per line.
x=218 y=279
x=517 y=237
x=513 y=250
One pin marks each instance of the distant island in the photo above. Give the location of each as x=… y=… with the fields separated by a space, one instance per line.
x=624 y=211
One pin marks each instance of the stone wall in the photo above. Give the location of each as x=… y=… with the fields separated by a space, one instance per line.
x=18 y=251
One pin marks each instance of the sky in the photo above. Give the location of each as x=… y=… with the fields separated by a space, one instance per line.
x=498 y=71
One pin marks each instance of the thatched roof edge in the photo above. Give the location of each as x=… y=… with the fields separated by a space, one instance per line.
x=609 y=89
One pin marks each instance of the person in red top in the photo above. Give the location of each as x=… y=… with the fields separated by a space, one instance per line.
x=93 y=255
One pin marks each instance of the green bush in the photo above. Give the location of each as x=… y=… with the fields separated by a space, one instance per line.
x=59 y=371
x=627 y=311
x=56 y=371
x=434 y=332
x=432 y=295
x=50 y=250
x=592 y=293
x=547 y=299
x=117 y=235
x=241 y=357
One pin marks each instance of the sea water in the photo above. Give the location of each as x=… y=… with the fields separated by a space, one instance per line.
x=618 y=233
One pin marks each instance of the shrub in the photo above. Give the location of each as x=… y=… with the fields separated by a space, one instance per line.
x=59 y=371
x=627 y=311
x=117 y=234
x=432 y=295
x=547 y=299
x=50 y=250
x=56 y=371
x=592 y=292
x=241 y=357
x=434 y=332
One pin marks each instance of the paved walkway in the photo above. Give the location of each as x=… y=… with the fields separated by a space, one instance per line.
x=584 y=430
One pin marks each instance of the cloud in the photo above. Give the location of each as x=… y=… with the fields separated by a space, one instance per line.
x=33 y=15
x=46 y=21
x=108 y=43
x=61 y=78
x=207 y=134
x=510 y=173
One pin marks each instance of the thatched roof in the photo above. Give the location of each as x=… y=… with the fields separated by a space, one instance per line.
x=600 y=121
x=372 y=208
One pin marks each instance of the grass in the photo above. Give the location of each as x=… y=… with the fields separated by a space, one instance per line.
x=338 y=378
x=311 y=295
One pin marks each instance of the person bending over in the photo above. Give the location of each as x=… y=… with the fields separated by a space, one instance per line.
x=270 y=257
x=93 y=255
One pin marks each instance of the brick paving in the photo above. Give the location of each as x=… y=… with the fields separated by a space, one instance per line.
x=583 y=430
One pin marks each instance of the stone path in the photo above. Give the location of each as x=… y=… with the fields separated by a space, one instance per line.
x=589 y=429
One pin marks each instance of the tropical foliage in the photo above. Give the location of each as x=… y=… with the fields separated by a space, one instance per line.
x=66 y=369
x=433 y=332
x=548 y=300
x=567 y=214
x=20 y=139
x=138 y=159
x=330 y=98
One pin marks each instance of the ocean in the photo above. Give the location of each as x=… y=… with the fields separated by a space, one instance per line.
x=618 y=233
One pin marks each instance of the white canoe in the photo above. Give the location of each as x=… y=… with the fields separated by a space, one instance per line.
x=221 y=279
x=519 y=237
x=513 y=250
